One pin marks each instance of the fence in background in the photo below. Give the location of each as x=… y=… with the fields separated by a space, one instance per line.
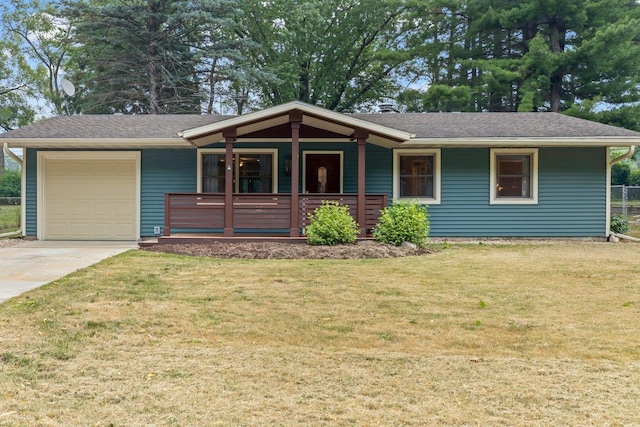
x=625 y=201
x=5 y=201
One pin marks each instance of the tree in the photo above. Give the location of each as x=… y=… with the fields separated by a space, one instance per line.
x=148 y=56
x=39 y=37
x=339 y=54
x=10 y=184
x=14 y=109
x=530 y=55
x=31 y=53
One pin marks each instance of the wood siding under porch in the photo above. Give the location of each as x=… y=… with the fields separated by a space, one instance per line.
x=268 y=213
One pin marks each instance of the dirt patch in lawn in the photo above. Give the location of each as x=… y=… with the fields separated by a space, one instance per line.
x=281 y=250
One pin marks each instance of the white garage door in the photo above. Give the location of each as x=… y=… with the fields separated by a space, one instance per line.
x=89 y=198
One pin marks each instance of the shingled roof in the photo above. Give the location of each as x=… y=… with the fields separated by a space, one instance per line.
x=426 y=127
x=114 y=126
x=495 y=125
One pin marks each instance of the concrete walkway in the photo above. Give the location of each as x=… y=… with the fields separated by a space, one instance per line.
x=30 y=264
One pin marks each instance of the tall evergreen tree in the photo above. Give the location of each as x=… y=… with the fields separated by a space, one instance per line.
x=529 y=55
x=146 y=56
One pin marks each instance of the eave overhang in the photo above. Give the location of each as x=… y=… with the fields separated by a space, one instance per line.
x=97 y=143
x=312 y=116
x=605 y=141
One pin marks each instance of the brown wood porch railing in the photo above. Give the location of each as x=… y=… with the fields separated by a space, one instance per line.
x=205 y=211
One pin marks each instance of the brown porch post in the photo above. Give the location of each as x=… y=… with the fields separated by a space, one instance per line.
x=167 y=215
x=229 y=138
x=361 y=136
x=295 y=118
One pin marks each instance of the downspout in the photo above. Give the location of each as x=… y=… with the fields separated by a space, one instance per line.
x=22 y=186
x=625 y=156
x=628 y=154
x=12 y=154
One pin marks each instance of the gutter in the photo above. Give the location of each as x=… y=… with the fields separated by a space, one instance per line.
x=12 y=155
x=511 y=142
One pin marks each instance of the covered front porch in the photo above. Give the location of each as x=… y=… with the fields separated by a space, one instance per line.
x=231 y=202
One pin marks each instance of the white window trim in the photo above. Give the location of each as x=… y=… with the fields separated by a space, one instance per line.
x=304 y=166
x=533 y=199
x=272 y=151
x=436 y=174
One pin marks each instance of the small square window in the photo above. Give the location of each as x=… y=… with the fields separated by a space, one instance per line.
x=514 y=176
x=417 y=175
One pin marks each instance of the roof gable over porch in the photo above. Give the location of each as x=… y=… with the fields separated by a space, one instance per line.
x=316 y=124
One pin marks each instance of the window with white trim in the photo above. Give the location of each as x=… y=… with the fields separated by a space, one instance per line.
x=514 y=176
x=254 y=171
x=416 y=175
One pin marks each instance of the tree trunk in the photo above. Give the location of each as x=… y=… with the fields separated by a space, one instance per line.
x=152 y=66
x=557 y=34
x=495 y=98
x=153 y=88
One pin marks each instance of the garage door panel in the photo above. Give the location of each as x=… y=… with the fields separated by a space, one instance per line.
x=103 y=230
x=118 y=190
x=90 y=199
x=78 y=209
x=122 y=212
x=123 y=168
x=57 y=209
x=78 y=230
x=57 y=230
x=68 y=169
x=102 y=210
x=60 y=190
x=123 y=233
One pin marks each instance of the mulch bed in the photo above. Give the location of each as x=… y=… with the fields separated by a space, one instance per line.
x=277 y=250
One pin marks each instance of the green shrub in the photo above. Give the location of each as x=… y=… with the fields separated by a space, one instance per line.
x=331 y=224
x=404 y=221
x=10 y=184
x=620 y=173
x=619 y=224
x=634 y=177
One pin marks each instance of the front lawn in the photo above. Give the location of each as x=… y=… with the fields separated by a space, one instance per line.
x=9 y=218
x=634 y=230
x=525 y=334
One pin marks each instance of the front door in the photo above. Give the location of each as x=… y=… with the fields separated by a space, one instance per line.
x=322 y=172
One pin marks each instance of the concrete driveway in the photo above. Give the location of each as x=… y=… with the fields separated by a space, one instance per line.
x=30 y=264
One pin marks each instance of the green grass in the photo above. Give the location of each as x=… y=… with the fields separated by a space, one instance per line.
x=523 y=334
x=9 y=218
x=634 y=230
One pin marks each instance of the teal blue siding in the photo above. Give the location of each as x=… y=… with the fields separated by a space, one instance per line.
x=571 y=191
x=31 y=203
x=163 y=171
x=571 y=197
x=379 y=171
